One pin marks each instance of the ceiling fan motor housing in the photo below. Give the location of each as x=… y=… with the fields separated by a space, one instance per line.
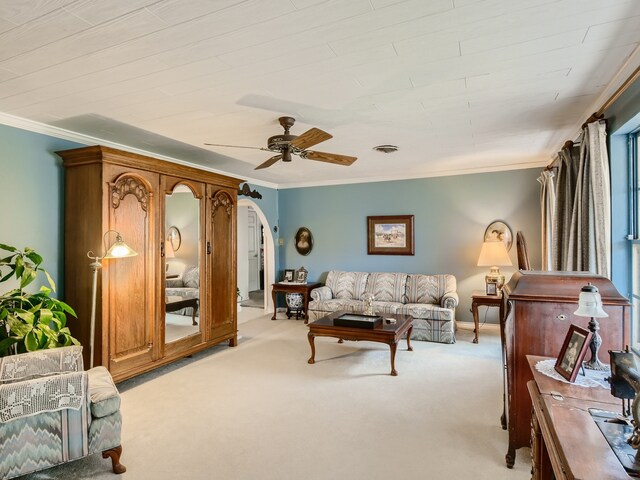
x=279 y=143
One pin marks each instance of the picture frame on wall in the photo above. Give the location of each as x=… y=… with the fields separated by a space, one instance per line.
x=573 y=351
x=288 y=275
x=390 y=235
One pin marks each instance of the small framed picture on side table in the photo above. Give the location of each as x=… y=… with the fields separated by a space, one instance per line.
x=573 y=351
x=288 y=276
x=492 y=288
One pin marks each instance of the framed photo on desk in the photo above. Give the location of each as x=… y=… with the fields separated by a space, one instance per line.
x=573 y=351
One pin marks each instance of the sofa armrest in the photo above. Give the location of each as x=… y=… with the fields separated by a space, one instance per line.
x=103 y=393
x=449 y=300
x=321 y=293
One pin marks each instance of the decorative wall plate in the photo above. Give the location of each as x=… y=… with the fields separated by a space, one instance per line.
x=174 y=237
x=499 y=230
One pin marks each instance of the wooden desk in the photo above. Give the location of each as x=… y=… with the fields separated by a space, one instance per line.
x=479 y=297
x=565 y=441
x=303 y=288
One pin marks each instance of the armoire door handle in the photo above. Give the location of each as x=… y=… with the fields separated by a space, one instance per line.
x=208 y=248
x=162 y=249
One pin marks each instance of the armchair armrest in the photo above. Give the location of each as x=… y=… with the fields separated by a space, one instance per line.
x=43 y=394
x=321 y=293
x=41 y=363
x=174 y=283
x=449 y=300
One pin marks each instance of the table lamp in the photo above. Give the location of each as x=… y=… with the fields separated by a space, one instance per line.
x=118 y=249
x=494 y=254
x=590 y=305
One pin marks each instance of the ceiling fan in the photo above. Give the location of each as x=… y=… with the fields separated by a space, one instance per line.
x=288 y=144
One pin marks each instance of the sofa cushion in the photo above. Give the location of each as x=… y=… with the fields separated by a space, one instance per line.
x=103 y=393
x=383 y=308
x=387 y=287
x=335 y=304
x=426 y=311
x=347 y=285
x=428 y=288
x=191 y=277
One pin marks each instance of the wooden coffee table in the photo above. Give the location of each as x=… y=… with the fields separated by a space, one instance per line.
x=173 y=303
x=389 y=333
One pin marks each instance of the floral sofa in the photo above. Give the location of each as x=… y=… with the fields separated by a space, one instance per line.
x=188 y=286
x=430 y=299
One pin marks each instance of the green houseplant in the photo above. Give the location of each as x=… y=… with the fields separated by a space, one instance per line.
x=30 y=321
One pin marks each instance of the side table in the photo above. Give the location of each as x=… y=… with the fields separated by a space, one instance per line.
x=284 y=287
x=479 y=297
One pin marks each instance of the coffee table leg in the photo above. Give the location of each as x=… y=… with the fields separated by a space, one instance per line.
x=409 y=347
x=393 y=347
x=193 y=315
x=311 y=337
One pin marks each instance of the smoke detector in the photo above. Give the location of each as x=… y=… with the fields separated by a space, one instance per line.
x=386 y=148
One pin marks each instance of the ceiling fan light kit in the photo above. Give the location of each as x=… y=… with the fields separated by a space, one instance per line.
x=287 y=144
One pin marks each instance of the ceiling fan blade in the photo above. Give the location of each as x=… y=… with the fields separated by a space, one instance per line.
x=329 y=157
x=268 y=163
x=235 y=146
x=310 y=138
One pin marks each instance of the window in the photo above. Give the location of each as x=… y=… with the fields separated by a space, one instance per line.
x=634 y=237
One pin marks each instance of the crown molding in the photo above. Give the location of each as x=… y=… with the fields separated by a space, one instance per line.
x=63 y=134
x=440 y=173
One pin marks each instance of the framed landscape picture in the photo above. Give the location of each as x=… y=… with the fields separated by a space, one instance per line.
x=390 y=235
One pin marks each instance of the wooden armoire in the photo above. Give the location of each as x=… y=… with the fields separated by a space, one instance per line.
x=536 y=312
x=110 y=190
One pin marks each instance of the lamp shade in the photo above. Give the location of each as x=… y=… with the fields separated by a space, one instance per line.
x=494 y=254
x=590 y=303
x=119 y=249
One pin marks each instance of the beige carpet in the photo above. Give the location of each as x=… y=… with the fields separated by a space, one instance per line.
x=259 y=411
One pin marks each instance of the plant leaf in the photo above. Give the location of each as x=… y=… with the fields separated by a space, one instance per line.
x=31 y=342
x=19 y=328
x=6 y=343
x=8 y=248
x=67 y=308
x=28 y=276
x=52 y=284
x=33 y=256
x=45 y=316
x=28 y=317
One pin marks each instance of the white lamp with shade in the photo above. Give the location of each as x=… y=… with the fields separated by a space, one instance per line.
x=118 y=249
x=590 y=305
x=494 y=254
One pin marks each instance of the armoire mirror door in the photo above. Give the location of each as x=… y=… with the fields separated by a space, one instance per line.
x=183 y=264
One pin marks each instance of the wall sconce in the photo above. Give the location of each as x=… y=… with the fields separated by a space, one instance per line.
x=118 y=249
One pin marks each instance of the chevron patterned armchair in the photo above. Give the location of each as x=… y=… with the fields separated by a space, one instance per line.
x=52 y=412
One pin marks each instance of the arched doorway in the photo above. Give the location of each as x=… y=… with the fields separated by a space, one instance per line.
x=268 y=252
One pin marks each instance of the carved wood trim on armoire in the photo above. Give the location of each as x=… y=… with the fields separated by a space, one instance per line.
x=109 y=189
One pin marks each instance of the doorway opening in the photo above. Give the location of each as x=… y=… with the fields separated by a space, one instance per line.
x=256 y=257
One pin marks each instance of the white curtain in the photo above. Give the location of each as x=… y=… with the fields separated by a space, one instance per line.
x=582 y=220
x=547 y=208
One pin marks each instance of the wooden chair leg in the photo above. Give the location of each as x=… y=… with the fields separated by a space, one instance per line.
x=114 y=454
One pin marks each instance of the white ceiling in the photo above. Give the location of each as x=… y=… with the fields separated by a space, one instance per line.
x=459 y=85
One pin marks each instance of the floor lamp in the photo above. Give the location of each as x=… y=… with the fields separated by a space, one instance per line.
x=118 y=249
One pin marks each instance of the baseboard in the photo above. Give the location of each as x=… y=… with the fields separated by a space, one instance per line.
x=471 y=326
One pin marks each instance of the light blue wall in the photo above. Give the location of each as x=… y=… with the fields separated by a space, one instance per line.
x=623 y=116
x=451 y=215
x=32 y=196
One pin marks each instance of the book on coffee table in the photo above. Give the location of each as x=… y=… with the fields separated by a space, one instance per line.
x=358 y=320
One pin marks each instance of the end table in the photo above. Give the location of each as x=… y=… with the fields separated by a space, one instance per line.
x=479 y=297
